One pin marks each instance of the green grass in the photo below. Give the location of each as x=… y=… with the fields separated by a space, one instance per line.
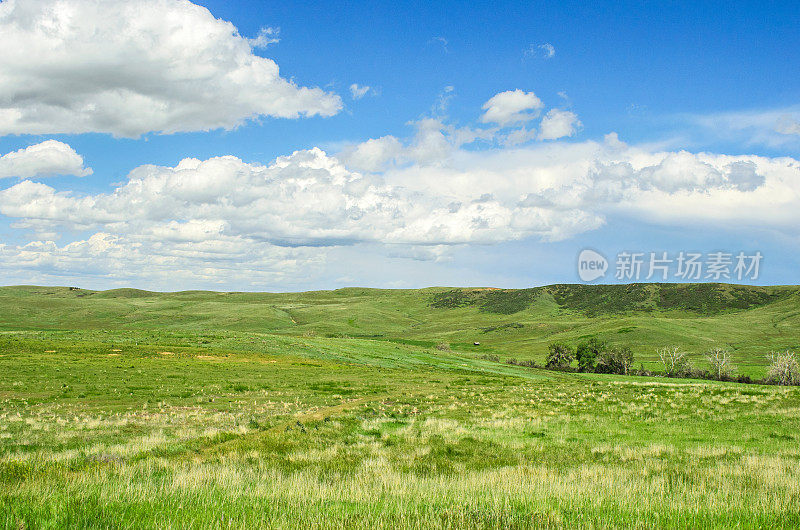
x=334 y=409
x=749 y=321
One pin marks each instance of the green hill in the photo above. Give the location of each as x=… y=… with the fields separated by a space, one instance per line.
x=334 y=409
x=750 y=321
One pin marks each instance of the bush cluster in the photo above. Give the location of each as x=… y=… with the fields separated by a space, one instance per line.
x=599 y=357
x=592 y=355
x=528 y=364
x=559 y=356
x=784 y=369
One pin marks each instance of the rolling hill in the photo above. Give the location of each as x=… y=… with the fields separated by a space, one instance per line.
x=334 y=409
x=750 y=321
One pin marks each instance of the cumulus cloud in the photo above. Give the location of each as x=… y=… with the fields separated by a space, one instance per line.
x=558 y=124
x=217 y=219
x=511 y=107
x=676 y=174
x=310 y=198
x=519 y=136
x=507 y=115
x=157 y=262
x=43 y=160
x=372 y=155
x=304 y=199
x=128 y=68
x=433 y=142
x=416 y=198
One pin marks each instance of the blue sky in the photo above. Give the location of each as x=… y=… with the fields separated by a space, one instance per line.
x=482 y=144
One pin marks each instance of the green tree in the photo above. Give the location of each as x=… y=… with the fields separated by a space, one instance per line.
x=587 y=353
x=616 y=360
x=559 y=356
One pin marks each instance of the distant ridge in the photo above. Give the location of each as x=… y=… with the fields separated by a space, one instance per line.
x=751 y=321
x=698 y=298
x=701 y=298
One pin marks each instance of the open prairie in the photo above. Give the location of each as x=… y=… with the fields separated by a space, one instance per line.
x=344 y=409
x=647 y=152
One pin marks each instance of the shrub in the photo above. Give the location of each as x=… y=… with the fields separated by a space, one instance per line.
x=784 y=369
x=675 y=362
x=529 y=363
x=559 y=356
x=443 y=346
x=616 y=360
x=587 y=353
x=721 y=366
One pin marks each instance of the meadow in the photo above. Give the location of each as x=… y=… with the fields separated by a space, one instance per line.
x=336 y=409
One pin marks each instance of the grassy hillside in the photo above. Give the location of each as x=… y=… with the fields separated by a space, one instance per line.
x=749 y=321
x=333 y=409
x=180 y=429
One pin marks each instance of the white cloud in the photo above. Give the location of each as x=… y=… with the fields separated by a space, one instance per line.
x=417 y=198
x=222 y=219
x=558 y=124
x=519 y=136
x=372 y=155
x=159 y=263
x=211 y=215
x=45 y=159
x=358 y=91
x=309 y=198
x=305 y=199
x=443 y=101
x=776 y=128
x=265 y=37
x=433 y=142
x=787 y=125
x=128 y=68
x=548 y=50
x=511 y=107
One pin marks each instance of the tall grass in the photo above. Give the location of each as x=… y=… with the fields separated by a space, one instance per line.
x=104 y=429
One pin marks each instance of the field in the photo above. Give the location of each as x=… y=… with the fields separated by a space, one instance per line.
x=335 y=409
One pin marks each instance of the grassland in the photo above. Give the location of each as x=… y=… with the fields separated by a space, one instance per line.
x=748 y=321
x=333 y=409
